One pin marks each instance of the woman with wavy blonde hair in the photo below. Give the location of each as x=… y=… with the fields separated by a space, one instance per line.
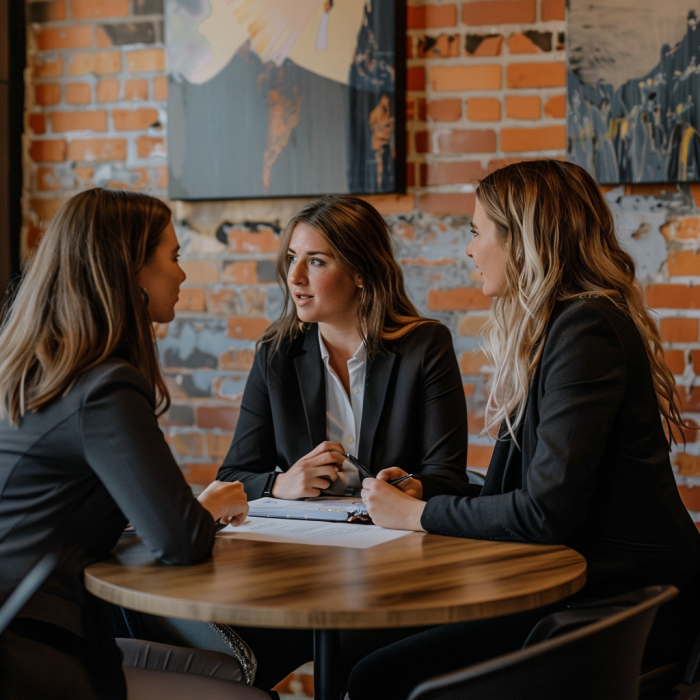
x=579 y=396
x=81 y=453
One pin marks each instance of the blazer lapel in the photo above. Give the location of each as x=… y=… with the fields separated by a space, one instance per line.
x=376 y=385
x=312 y=385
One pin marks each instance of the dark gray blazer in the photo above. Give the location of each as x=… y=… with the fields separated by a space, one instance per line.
x=92 y=461
x=413 y=416
x=594 y=470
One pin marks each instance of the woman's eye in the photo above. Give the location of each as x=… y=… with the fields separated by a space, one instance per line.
x=290 y=259
x=316 y=261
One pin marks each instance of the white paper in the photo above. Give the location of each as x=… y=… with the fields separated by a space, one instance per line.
x=325 y=508
x=313 y=532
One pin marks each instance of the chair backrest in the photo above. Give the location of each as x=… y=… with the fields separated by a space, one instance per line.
x=600 y=661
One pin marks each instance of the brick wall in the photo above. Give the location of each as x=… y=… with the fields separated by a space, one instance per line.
x=486 y=86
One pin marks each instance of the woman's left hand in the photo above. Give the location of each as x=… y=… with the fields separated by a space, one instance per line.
x=391 y=508
x=411 y=487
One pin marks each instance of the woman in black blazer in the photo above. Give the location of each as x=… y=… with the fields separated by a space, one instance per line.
x=579 y=397
x=344 y=300
x=81 y=453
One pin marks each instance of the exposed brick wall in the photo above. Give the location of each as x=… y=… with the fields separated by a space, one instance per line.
x=486 y=86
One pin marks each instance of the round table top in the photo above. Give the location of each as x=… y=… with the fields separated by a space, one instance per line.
x=419 y=579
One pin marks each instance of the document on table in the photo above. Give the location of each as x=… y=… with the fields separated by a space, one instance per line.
x=337 y=509
x=313 y=532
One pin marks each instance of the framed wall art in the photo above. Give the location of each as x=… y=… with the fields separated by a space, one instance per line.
x=633 y=90
x=278 y=98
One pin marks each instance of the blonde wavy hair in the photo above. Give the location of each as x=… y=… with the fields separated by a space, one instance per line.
x=560 y=234
x=78 y=302
x=359 y=239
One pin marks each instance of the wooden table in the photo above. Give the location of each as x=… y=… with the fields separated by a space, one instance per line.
x=416 y=580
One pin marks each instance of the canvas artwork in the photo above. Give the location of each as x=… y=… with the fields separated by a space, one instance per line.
x=633 y=90
x=272 y=98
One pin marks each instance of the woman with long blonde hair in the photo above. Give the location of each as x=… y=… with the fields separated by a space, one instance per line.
x=584 y=407
x=81 y=453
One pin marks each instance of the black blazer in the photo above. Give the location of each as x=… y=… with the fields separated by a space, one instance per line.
x=414 y=412
x=593 y=471
x=88 y=462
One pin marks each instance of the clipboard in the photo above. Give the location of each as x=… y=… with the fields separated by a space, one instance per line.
x=346 y=510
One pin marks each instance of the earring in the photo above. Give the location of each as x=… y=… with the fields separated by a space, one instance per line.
x=145 y=294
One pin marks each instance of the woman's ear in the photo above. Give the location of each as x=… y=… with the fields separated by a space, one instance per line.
x=357 y=279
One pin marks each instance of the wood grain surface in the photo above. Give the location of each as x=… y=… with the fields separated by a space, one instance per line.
x=419 y=579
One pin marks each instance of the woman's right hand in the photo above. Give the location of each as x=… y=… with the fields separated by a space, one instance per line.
x=312 y=474
x=226 y=501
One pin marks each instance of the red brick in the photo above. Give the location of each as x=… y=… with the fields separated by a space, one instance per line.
x=49 y=11
x=107 y=90
x=97 y=149
x=47 y=93
x=85 y=175
x=450 y=173
x=479 y=455
x=483 y=109
x=146 y=60
x=498 y=12
x=555 y=107
x=690 y=399
x=161 y=174
x=388 y=204
x=695 y=358
x=422 y=142
x=47 y=67
x=246 y=328
x=141 y=183
x=519 y=43
x=695 y=192
x=690 y=497
x=201 y=271
x=134 y=119
x=456 y=78
x=523 y=107
x=223 y=417
x=45 y=209
x=458 y=299
x=160 y=88
x=34 y=234
x=498 y=163
x=447 y=203
x=675 y=359
x=475 y=421
x=409 y=47
x=465 y=141
x=683 y=263
x=239 y=272
x=688 y=465
x=415 y=78
x=544 y=138
x=218 y=444
x=242 y=240
x=526 y=75
x=410 y=174
x=471 y=325
x=189 y=444
x=679 y=330
x=78 y=37
x=92 y=9
x=47 y=151
x=426 y=16
x=147 y=146
x=191 y=299
x=445 y=110
x=553 y=10
x=78 y=93
x=79 y=121
x=136 y=89
x=444 y=46
x=100 y=63
x=472 y=362
x=488 y=46
x=46 y=180
x=201 y=474
x=686 y=228
x=239 y=360
x=673 y=296
x=37 y=122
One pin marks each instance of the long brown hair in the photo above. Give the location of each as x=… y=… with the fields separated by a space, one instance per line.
x=79 y=302
x=359 y=239
x=560 y=234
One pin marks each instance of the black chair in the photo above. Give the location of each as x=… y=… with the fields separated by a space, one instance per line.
x=599 y=661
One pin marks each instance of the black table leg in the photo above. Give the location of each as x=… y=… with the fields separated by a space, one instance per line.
x=326 y=664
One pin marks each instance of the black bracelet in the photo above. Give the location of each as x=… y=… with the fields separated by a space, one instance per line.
x=269 y=484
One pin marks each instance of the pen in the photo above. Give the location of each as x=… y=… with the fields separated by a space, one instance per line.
x=367 y=474
x=393 y=482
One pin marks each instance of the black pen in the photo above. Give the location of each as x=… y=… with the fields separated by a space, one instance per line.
x=367 y=474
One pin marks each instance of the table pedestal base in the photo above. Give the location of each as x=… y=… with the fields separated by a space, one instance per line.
x=326 y=664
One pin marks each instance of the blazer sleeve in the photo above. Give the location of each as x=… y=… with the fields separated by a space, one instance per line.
x=583 y=378
x=126 y=449
x=444 y=420
x=252 y=455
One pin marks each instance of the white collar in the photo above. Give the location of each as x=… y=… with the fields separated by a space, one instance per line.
x=359 y=356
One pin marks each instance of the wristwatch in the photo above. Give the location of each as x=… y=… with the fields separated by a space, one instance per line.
x=271 y=478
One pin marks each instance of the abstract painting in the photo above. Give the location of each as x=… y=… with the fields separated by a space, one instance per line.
x=278 y=98
x=633 y=90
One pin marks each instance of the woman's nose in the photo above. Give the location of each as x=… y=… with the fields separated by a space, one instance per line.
x=297 y=274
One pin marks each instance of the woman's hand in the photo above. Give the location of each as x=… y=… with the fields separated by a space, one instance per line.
x=411 y=487
x=391 y=508
x=312 y=474
x=226 y=501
